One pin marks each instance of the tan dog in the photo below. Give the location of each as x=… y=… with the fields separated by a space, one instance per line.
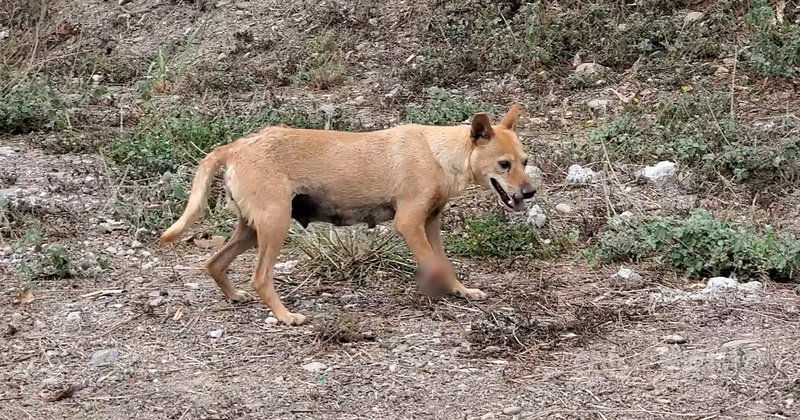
x=406 y=173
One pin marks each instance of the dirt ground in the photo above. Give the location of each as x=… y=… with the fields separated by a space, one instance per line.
x=151 y=336
x=611 y=355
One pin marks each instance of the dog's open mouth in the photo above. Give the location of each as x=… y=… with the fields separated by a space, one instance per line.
x=507 y=200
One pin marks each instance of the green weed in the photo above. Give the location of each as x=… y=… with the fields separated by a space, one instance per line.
x=701 y=246
x=775 y=46
x=443 y=108
x=492 y=236
x=700 y=133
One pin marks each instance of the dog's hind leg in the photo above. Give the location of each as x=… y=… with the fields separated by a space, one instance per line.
x=244 y=238
x=272 y=228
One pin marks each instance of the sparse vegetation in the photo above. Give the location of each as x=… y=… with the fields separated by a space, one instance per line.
x=45 y=260
x=702 y=245
x=701 y=133
x=444 y=108
x=165 y=141
x=775 y=45
x=343 y=327
x=492 y=236
x=354 y=254
x=29 y=105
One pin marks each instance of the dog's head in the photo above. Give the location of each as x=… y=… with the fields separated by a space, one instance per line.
x=498 y=159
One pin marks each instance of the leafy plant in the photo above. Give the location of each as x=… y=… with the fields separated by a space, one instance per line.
x=775 y=46
x=702 y=245
x=492 y=236
x=29 y=105
x=443 y=108
x=702 y=134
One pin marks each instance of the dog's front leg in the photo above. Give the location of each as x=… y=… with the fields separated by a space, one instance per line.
x=433 y=230
x=410 y=221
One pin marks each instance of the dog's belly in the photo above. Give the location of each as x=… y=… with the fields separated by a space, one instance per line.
x=307 y=208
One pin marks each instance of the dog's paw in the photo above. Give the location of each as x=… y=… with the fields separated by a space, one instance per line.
x=293 y=319
x=241 y=297
x=472 y=294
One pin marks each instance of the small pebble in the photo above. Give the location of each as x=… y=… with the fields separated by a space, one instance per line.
x=158 y=301
x=510 y=411
x=563 y=208
x=192 y=286
x=314 y=366
x=674 y=339
x=271 y=320
x=216 y=333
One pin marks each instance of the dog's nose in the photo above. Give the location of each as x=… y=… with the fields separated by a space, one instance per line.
x=527 y=190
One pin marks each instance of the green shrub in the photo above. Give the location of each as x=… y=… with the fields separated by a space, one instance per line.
x=700 y=133
x=444 y=108
x=775 y=47
x=492 y=236
x=47 y=263
x=701 y=246
x=29 y=105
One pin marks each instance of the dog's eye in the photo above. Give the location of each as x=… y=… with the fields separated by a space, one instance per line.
x=505 y=165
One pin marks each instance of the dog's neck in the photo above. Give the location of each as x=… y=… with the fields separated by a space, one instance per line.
x=452 y=148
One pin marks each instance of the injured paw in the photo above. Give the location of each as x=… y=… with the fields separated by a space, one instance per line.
x=472 y=294
x=292 y=319
x=240 y=297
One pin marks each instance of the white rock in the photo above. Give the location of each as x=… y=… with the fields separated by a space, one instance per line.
x=191 y=286
x=216 y=333
x=535 y=174
x=589 y=68
x=563 y=208
x=577 y=174
x=692 y=17
x=104 y=357
x=627 y=278
x=271 y=320
x=536 y=216
x=158 y=301
x=598 y=104
x=315 y=367
x=661 y=174
x=674 y=339
x=719 y=285
x=74 y=317
x=97 y=78
x=136 y=245
x=510 y=411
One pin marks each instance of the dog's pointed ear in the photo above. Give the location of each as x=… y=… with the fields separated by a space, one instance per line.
x=511 y=118
x=481 y=127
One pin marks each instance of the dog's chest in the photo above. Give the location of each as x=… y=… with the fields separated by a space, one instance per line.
x=307 y=208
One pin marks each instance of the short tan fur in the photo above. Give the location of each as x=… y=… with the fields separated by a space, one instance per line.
x=406 y=174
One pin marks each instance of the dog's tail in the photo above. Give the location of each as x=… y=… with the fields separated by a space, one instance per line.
x=197 y=198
